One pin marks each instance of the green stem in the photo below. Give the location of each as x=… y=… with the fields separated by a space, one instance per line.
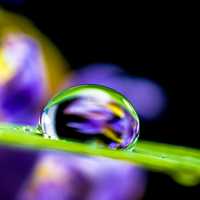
x=182 y=163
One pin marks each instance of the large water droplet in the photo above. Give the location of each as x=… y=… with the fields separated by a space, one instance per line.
x=91 y=114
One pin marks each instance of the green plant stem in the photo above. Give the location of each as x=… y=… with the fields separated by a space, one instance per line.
x=180 y=162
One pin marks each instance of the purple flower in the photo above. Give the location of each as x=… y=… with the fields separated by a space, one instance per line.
x=71 y=177
x=14 y=2
x=15 y=165
x=147 y=96
x=22 y=85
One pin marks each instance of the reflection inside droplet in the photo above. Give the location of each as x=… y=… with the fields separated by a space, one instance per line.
x=91 y=114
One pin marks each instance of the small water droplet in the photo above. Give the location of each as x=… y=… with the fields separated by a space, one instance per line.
x=163 y=156
x=38 y=130
x=186 y=178
x=27 y=129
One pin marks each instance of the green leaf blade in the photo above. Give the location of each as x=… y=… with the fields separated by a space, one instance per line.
x=182 y=163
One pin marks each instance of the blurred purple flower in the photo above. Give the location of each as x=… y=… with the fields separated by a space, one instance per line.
x=71 y=177
x=15 y=2
x=15 y=165
x=147 y=97
x=22 y=87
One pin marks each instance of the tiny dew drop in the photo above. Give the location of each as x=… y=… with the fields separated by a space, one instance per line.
x=91 y=114
x=39 y=130
x=186 y=178
x=163 y=156
x=31 y=130
x=27 y=129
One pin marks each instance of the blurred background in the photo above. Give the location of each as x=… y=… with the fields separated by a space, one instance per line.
x=45 y=48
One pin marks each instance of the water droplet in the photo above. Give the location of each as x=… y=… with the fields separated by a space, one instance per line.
x=39 y=130
x=27 y=129
x=163 y=156
x=91 y=114
x=186 y=178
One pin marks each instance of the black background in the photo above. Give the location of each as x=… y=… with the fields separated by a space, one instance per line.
x=155 y=43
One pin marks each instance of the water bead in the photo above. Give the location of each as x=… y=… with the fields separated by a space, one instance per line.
x=91 y=114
